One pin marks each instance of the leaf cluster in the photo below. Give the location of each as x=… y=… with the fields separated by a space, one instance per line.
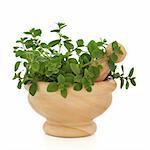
x=61 y=62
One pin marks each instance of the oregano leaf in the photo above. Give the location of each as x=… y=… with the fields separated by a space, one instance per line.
x=131 y=72
x=75 y=68
x=127 y=84
x=61 y=79
x=64 y=92
x=17 y=65
x=33 y=88
x=77 y=86
x=80 y=43
x=54 y=43
x=133 y=82
x=52 y=87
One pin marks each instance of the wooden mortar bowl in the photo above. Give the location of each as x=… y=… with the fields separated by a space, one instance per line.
x=72 y=116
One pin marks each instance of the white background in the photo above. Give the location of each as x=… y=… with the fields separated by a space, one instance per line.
x=126 y=124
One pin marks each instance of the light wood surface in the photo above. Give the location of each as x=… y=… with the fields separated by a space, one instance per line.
x=72 y=116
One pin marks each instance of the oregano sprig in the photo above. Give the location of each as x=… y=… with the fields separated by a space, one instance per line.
x=64 y=63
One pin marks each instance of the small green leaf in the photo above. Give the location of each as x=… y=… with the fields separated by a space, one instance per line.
x=69 y=79
x=116 y=75
x=84 y=58
x=114 y=57
x=61 y=79
x=61 y=25
x=33 y=88
x=92 y=45
x=35 y=66
x=78 y=51
x=122 y=82
x=75 y=68
x=122 y=68
x=127 y=84
x=94 y=50
x=53 y=43
x=17 y=65
x=15 y=76
x=43 y=45
x=77 y=86
x=116 y=48
x=65 y=37
x=29 y=33
x=20 y=54
x=29 y=44
x=37 y=32
x=131 y=72
x=64 y=92
x=72 y=60
x=69 y=46
x=56 y=30
x=133 y=82
x=52 y=87
x=100 y=43
x=95 y=70
x=80 y=43
x=111 y=65
x=88 y=88
x=19 y=84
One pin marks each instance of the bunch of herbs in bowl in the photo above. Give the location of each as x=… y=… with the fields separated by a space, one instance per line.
x=63 y=63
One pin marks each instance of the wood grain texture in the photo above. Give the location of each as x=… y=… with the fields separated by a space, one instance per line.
x=72 y=116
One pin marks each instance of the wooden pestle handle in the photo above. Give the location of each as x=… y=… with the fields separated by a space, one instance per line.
x=105 y=68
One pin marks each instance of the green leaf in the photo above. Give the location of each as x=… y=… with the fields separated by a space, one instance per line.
x=29 y=33
x=95 y=70
x=37 y=32
x=53 y=43
x=69 y=46
x=131 y=72
x=29 y=44
x=64 y=92
x=61 y=25
x=94 y=50
x=122 y=68
x=19 y=84
x=78 y=51
x=33 y=88
x=65 y=37
x=127 y=84
x=116 y=48
x=15 y=76
x=80 y=43
x=88 y=88
x=69 y=79
x=75 y=68
x=61 y=79
x=72 y=60
x=114 y=57
x=17 y=65
x=133 y=82
x=43 y=45
x=92 y=45
x=52 y=87
x=84 y=58
x=116 y=75
x=111 y=65
x=122 y=82
x=20 y=54
x=35 y=66
x=77 y=86
x=56 y=30
x=100 y=43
